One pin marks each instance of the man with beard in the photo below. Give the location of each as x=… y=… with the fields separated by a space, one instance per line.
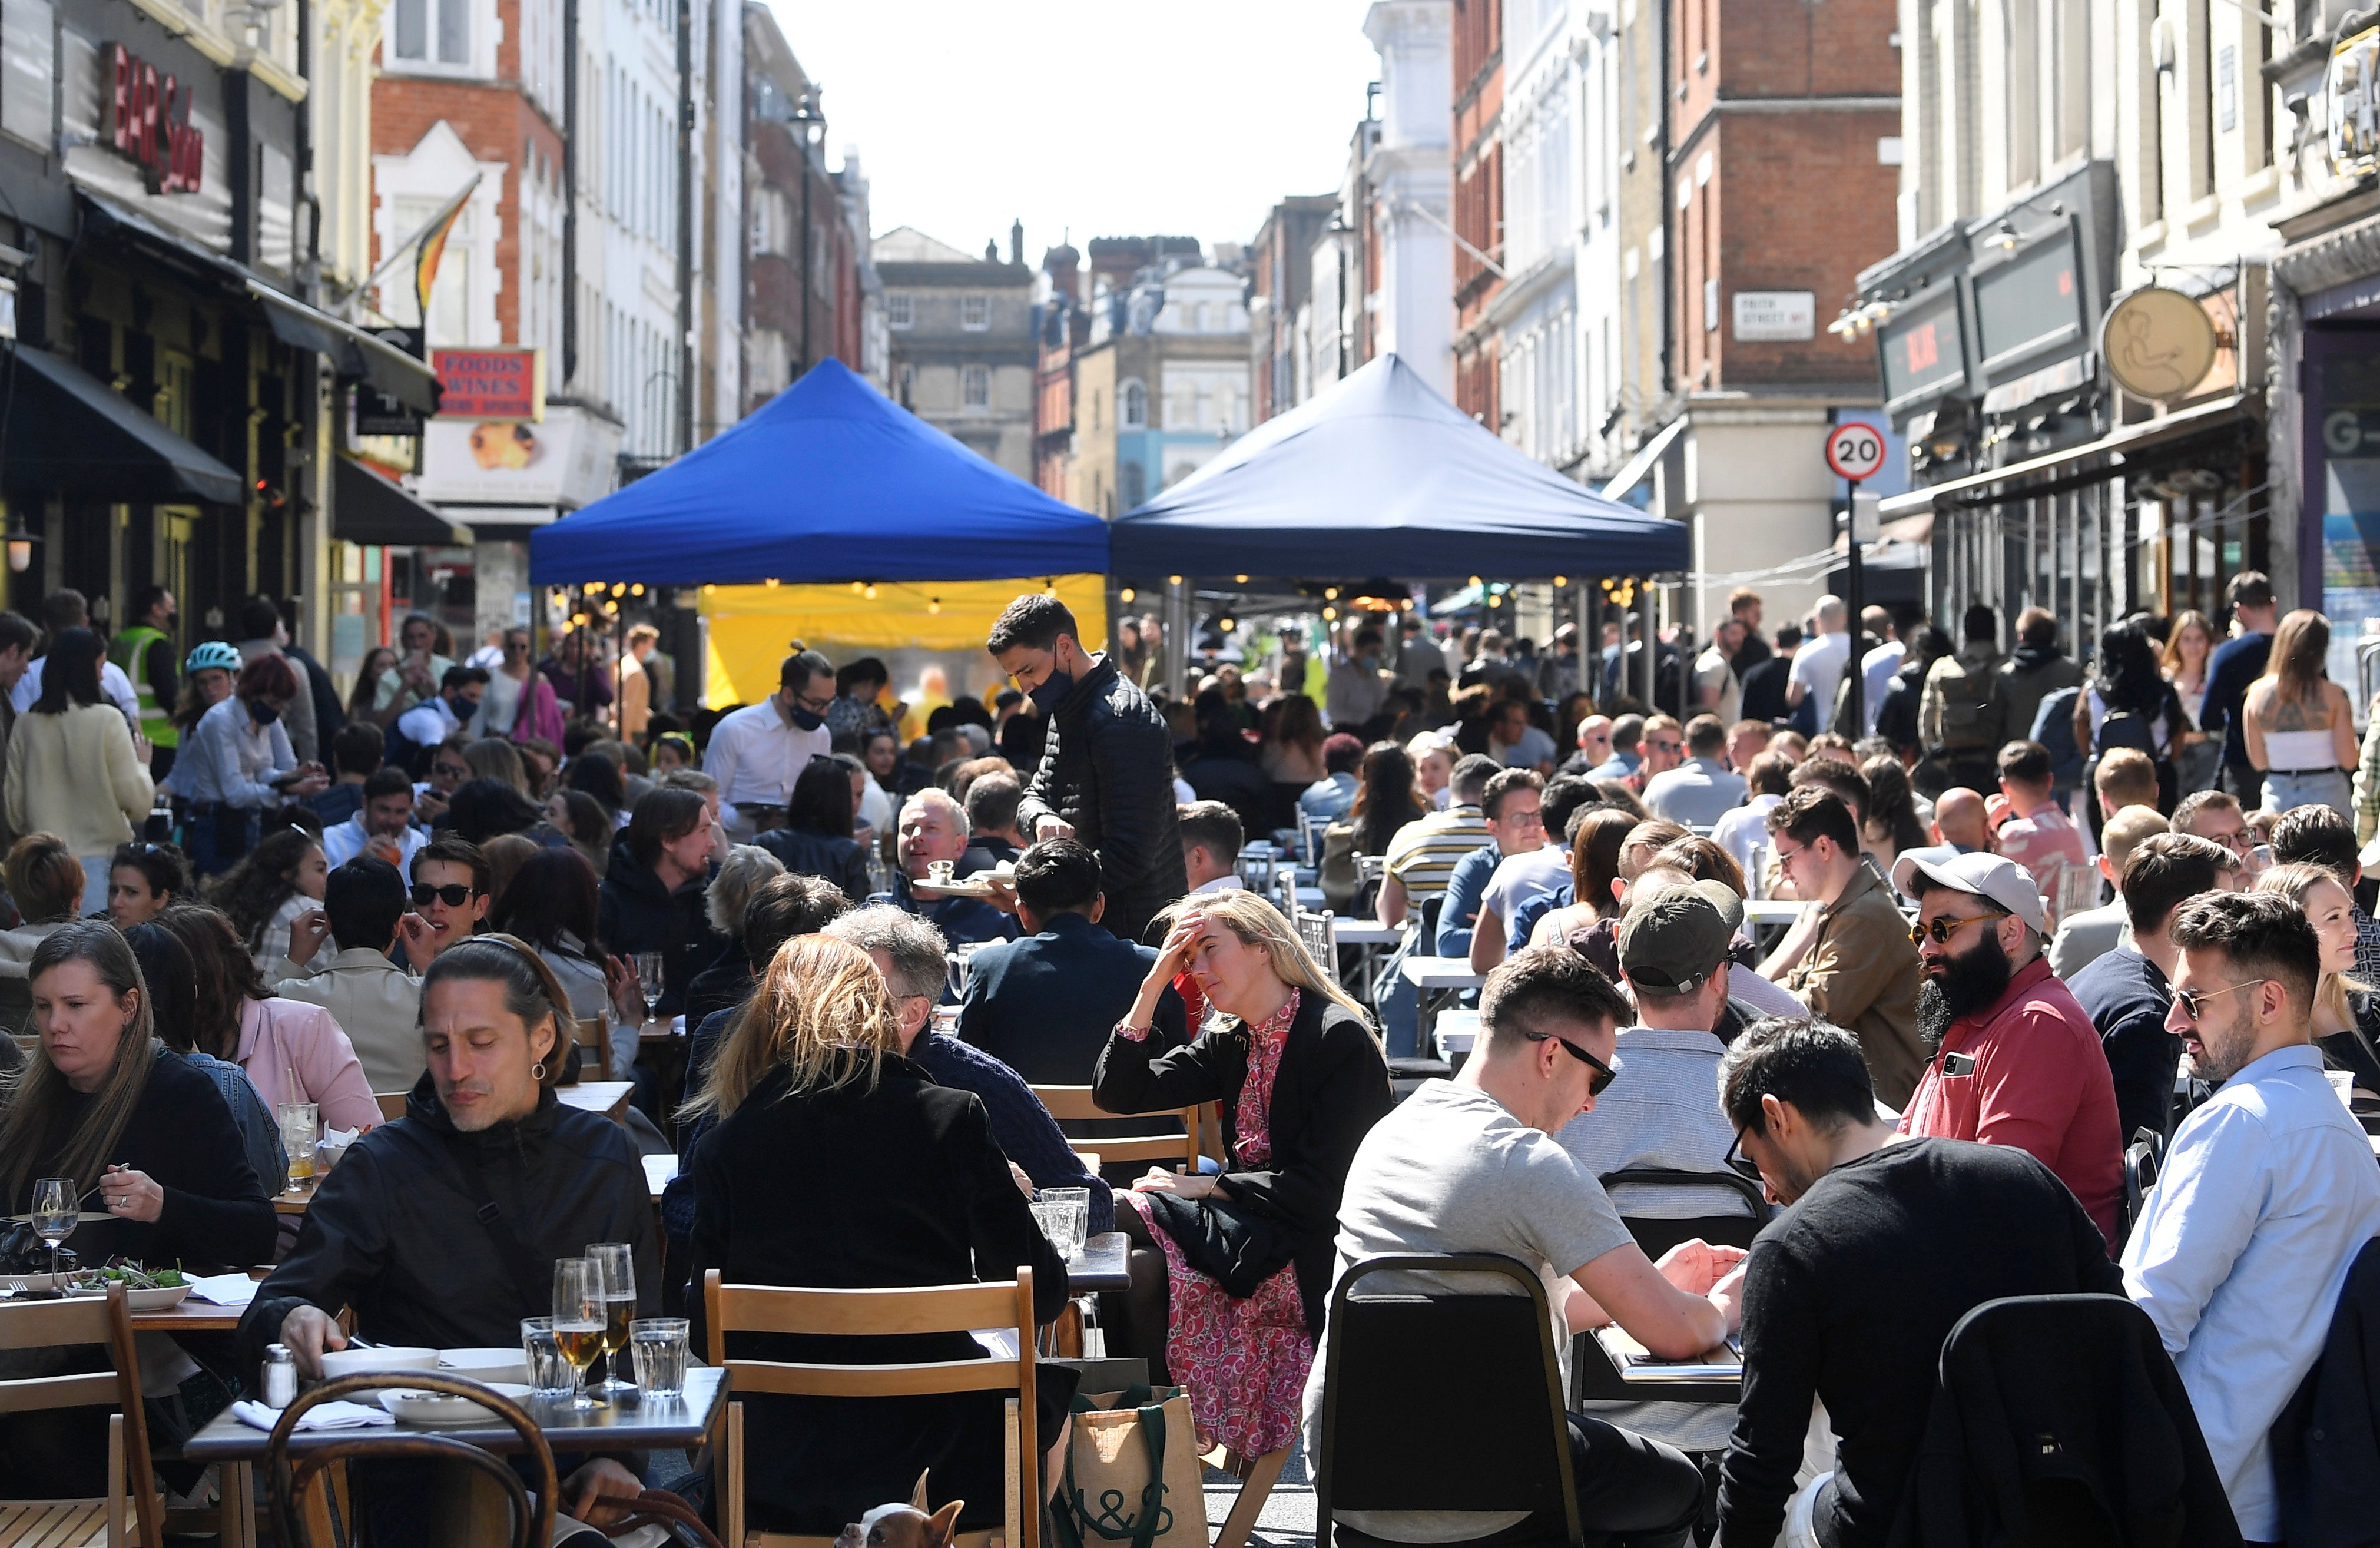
x=2017 y=1061
x=1850 y=1294
x=2268 y=1191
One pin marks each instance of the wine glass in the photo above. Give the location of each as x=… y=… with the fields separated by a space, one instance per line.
x=648 y=965
x=579 y=1320
x=616 y=1264
x=54 y=1215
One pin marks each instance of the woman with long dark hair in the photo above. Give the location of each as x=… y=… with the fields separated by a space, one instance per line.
x=74 y=768
x=479 y=810
x=580 y=818
x=263 y=895
x=598 y=777
x=552 y=903
x=2300 y=729
x=816 y=838
x=291 y=1051
x=142 y=880
x=2129 y=704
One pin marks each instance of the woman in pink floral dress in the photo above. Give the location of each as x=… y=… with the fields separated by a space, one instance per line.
x=1230 y=1272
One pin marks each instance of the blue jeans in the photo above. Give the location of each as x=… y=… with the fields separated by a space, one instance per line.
x=2323 y=788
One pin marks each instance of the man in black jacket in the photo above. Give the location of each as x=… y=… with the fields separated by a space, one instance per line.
x=1106 y=775
x=1848 y=1295
x=440 y=1229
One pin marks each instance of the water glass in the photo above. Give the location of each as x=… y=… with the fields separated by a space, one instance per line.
x=549 y=1375
x=658 y=1344
x=300 y=1129
x=1066 y=1219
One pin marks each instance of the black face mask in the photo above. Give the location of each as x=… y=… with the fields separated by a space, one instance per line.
x=262 y=713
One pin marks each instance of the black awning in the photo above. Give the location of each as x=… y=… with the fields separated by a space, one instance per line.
x=353 y=350
x=69 y=434
x=367 y=507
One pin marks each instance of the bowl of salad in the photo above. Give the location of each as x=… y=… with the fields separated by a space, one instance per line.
x=145 y=1289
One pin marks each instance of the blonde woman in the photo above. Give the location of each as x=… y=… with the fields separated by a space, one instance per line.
x=2346 y=1011
x=2301 y=733
x=1230 y=1271
x=901 y=1185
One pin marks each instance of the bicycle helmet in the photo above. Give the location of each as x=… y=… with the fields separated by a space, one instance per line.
x=213 y=653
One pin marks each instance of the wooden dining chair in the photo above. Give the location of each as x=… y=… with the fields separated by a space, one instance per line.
x=860 y=1314
x=1074 y=1103
x=301 y=1495
x=588 y=1032
x=131 y=1496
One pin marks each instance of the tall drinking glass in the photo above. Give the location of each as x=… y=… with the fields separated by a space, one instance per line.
x=54 y=1215
x=617 y=1265
x=579 y=1320
x=648 y=968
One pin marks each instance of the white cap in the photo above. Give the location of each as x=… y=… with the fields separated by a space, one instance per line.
x=1990 y=877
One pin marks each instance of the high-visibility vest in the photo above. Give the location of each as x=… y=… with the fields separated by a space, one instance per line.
x=127 y=652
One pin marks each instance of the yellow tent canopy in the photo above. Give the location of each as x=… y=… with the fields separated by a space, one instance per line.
x=751 y=627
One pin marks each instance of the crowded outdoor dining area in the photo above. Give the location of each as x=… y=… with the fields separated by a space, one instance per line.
x=1830 y=1082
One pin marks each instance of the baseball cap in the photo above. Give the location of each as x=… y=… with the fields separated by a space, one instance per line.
x=1990 y=877
x=1672 y=940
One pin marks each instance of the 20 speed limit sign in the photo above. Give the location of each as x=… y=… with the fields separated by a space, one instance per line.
x=1855 y=451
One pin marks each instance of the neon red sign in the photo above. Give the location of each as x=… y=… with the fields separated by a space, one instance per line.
x=152 y=125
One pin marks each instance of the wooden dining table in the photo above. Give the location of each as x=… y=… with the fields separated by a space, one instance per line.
x=607 y=1097
x=644 y=1424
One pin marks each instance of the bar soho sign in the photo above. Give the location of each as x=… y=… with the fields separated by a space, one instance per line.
x=152 y=126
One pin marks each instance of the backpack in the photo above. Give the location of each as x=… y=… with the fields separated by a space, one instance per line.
x=2053 y=727
x=1974 y=711
x=2125 y=728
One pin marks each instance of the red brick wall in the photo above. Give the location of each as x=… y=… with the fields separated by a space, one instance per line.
x=495 y=122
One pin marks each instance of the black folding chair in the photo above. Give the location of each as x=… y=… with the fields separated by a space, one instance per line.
x=1656 y=1236
x=1443 y=1398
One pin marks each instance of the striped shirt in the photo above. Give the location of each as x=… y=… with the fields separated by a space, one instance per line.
x=1424 y=853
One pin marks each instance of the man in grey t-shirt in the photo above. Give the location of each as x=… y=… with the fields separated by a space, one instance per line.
x=1471 y=1166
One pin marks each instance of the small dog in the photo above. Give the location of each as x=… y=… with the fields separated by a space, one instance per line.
x=904 y=1525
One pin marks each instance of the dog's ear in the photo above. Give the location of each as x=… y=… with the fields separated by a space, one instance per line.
x=918 y=1495
x=944 y=1525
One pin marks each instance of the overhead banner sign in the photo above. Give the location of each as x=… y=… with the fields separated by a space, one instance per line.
x=490 y=384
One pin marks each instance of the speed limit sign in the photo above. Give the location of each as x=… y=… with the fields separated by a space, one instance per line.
x=1855 y=451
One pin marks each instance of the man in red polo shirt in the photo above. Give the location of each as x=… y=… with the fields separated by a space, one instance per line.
x=2018 y=1062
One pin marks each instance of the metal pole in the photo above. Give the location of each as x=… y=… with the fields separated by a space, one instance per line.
x=1854 y=585
x=1175 y=652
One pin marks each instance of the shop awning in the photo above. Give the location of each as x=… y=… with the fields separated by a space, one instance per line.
x=70 y=433
x=353 y=351
x=367 y=507
x=2104 y=457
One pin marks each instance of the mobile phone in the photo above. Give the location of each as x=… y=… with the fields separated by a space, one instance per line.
x=1958 y=1064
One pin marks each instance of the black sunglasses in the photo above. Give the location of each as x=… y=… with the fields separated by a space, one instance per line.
x=1740 y=1163
x=454 y=894
x=1604 y=1074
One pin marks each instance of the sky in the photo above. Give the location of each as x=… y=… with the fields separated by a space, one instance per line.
x=1098 y=117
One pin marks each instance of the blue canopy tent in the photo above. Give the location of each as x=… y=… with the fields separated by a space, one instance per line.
x=1381 y=476
x=831 y=482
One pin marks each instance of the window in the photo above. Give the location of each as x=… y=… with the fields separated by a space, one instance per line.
x=773 y=222
x=1131 y=481
x=432 y=31
x=1135 y=401
x=975 y=311
x=975 y=386
x=768 y=362
x=28 y=70
x=900 y=309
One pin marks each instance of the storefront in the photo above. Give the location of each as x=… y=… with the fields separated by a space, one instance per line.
x=164 y=399
x=2049 y=485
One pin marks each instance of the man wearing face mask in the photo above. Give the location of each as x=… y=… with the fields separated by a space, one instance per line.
x=757 y=752
x=145 y=654
x=2017 y=1061
x=1358 y=688
x=1106 y=775
x=434 y=720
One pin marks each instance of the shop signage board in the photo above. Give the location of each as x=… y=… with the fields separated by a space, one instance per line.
x=2158 y=343
x=149 y=123
x=2352 y=93
x=490 y=384
x=377 y=413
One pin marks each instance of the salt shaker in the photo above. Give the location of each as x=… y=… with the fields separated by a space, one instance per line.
x=280 y=1376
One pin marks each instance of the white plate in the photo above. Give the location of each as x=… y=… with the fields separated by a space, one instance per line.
x=490 y=1365
x=958 y=886
x=371 y=1363
x=437 y=1410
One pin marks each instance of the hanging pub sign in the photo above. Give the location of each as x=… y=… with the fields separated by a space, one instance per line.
x=380 y=413
x=151 y=124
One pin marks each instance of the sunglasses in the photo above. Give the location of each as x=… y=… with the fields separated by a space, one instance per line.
x=1942 y=930
x=2193 y=1001
x=1740 y=1163
x=1604 y=1074
x=454 y=894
